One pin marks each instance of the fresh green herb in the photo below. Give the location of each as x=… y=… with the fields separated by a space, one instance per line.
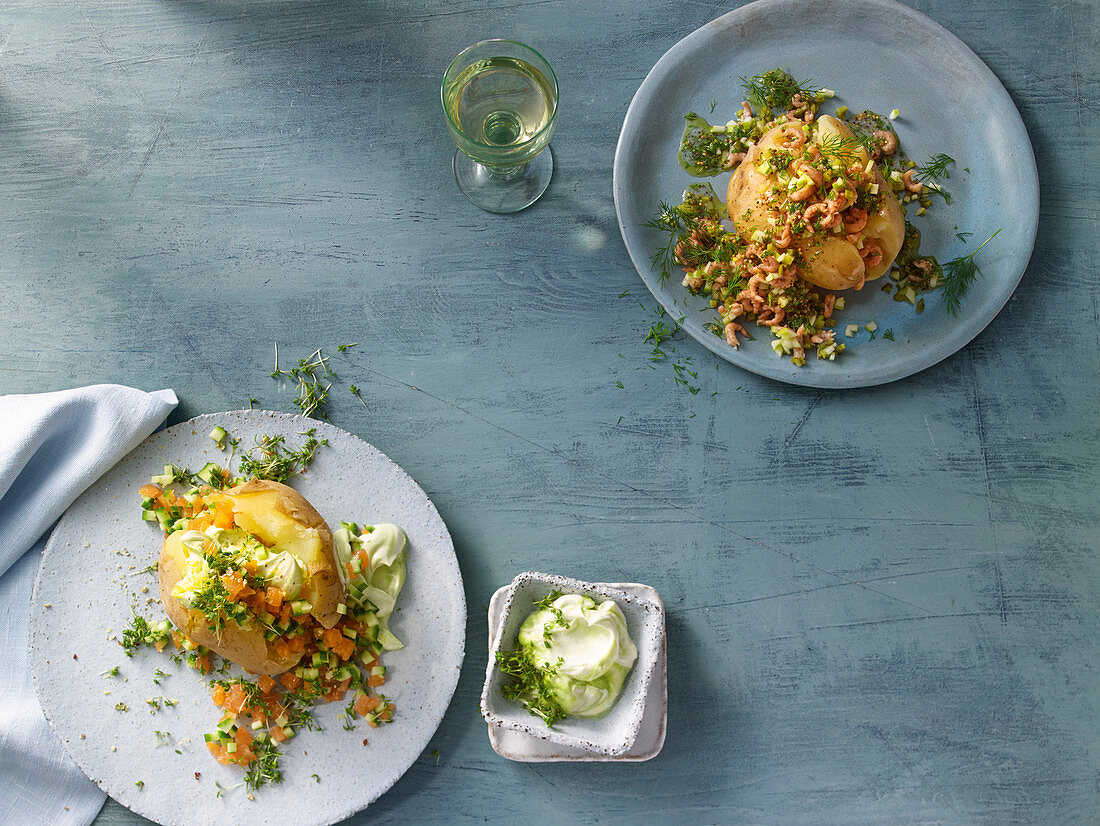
x=309 y=377
x=547 y=604
x=844 y=149
x=624 y=293
x=776 y=89
x=271 y=459
x=349 y=717
x=343 y=348
x=435 y=753
x=140 y=784
x=619 y=384
x=958 y=275
x=158 y=674
x=713 y=103
x=963 y=236
x=671 y=220
x=888 y=334
x=111 y=672
x=149 y=569
x=162 y=737
x=355 y=392
x=530 y=685
x=154 y=704
x=935 y=168
x=264 y=770
x=659 y=332
x=142 y=633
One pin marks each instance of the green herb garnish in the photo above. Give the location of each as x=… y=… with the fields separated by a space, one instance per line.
x=776 y=89
x=958 y=275
x=271 y=459
x=309 y=376
x=530 y=685
x=264 y=770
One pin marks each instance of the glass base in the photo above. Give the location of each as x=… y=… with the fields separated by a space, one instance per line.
x=503 y=190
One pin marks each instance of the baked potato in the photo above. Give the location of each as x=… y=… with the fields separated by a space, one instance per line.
x=215 y=582
x=831 y=261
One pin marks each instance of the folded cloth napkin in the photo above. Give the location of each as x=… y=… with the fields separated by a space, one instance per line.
x=52 y=447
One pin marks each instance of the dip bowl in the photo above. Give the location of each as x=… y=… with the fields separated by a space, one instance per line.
x=615 y=732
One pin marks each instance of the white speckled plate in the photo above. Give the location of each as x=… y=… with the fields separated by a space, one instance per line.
x=91 y=575
x=879 y=55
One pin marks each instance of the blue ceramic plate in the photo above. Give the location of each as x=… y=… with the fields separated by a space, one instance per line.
x=877 y=55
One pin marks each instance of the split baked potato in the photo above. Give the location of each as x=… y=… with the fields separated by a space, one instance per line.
x=831 y=261
x=276 y=540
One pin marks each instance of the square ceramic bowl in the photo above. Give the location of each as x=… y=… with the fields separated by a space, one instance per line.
x=615 y=732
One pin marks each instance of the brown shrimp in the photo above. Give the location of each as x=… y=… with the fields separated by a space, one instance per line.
x=886 y=140
x=855 y=219
x=731 y=330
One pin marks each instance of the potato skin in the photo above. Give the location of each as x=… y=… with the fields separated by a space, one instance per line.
x=833 y=262
x=270 y=510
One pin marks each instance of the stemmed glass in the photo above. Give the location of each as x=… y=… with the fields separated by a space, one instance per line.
x=501 y=102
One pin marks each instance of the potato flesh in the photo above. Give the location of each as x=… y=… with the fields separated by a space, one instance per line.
x=282 y=520
x=833 y=262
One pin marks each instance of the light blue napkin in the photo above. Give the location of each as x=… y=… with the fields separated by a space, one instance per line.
x=52 y=447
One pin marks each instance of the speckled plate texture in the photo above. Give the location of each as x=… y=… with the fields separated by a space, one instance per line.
x=525 y=748
x=616 y=732
x=93 y=573
x=878 y=55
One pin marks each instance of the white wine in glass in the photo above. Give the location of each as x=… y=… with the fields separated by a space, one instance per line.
x=501 y=100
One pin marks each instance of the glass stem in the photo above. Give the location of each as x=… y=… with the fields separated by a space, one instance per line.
x=504 y=173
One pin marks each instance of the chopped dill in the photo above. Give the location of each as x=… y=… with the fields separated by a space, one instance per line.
x=958 y=275
x=888 y=334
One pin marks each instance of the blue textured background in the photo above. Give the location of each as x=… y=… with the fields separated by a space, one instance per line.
x=882 y=604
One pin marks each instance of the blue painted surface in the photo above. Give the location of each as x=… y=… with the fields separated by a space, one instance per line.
x=882 y=604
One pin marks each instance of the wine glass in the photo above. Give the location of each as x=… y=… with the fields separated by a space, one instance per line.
x=501 y=102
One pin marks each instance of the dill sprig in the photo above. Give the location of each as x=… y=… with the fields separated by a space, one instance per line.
x=958 y=275
x=775 y=89
x=935 y=168
x=671 y=220
x=844 y=148
x=272 y=459
x=933 y=171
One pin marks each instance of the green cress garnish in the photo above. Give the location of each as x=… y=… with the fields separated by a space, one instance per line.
x=530 y=685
